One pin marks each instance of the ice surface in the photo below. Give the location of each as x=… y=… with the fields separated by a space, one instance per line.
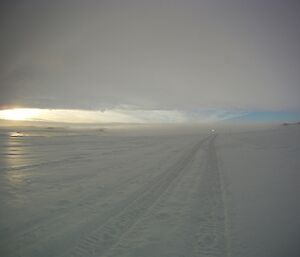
x=106 y=193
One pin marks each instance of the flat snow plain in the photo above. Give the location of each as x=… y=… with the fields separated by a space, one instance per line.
x=139 y=195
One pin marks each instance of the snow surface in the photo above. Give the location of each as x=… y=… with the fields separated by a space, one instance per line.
x=149 y=194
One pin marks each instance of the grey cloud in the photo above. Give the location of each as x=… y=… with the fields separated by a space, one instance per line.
x=150 y=54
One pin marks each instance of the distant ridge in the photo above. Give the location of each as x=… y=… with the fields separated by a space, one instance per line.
x=289 y=123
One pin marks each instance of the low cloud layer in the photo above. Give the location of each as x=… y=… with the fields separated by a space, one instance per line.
x=119 y=116
x=150 y=55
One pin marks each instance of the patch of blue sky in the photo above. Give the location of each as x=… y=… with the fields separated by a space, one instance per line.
x=269 y=116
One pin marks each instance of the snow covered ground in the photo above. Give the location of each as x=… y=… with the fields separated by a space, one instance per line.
x=187 y=194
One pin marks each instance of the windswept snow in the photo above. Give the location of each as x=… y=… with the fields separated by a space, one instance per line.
x=193 y=194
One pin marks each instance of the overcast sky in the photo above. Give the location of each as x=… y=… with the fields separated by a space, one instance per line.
x=151 y=55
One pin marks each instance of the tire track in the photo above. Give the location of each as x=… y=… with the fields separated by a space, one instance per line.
x=210 y=213
x=108 y=234
x=168 y=214
x=158 y=204
x=89 y=204
x=30 y=235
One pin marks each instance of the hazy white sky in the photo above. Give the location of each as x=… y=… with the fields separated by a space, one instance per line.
x=176 y=56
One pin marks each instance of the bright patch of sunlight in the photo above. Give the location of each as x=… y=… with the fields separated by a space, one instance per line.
x=20 y=114
x=117 y=115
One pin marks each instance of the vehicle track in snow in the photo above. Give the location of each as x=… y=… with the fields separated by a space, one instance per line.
x=195 y=222
x=87 y=206
x=93 y=206
x=209 y=215
x=107 y=234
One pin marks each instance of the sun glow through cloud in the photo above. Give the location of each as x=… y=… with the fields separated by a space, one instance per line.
x=20 y=114
x=118 y=115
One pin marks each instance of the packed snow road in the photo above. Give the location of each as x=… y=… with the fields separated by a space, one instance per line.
x=127 y=196
x=158 y=195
